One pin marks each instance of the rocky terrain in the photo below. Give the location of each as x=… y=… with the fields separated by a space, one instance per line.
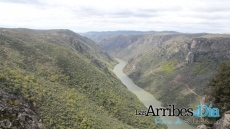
x=16 y=113
x=224 y=122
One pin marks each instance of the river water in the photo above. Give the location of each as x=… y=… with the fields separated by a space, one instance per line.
x=148 y=99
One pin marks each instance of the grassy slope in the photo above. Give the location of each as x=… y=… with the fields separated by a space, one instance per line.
x=68 y=79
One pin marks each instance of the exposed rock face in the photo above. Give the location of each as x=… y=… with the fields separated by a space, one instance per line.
x=190 y=57
x=16 y=113
x=194 y=43
x=224 y=122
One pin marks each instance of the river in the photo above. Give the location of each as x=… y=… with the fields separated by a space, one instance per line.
x=147 y=98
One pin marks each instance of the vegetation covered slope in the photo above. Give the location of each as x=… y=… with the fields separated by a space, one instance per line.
x=218 y=95
x=67 y=79
x=220 y=88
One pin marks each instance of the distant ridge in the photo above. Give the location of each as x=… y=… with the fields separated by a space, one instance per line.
x=97 y=35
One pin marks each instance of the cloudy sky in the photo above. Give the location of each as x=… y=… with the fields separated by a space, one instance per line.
x=191 y=16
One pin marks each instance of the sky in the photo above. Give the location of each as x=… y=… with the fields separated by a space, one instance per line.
x=189 y=16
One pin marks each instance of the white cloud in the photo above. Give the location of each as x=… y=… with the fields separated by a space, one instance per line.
x=98 y=15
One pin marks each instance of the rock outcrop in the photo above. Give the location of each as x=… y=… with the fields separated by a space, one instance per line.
x=16 y=113
x=202 y=127
x=190 y=57
x=224 y=122
x=194 y=43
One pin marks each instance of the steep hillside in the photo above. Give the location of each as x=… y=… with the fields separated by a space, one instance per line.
x=67 y=79
x=219 y=95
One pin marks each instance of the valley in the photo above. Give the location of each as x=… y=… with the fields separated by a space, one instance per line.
x=99 y=64
x=174 y=67
x=67 y=81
